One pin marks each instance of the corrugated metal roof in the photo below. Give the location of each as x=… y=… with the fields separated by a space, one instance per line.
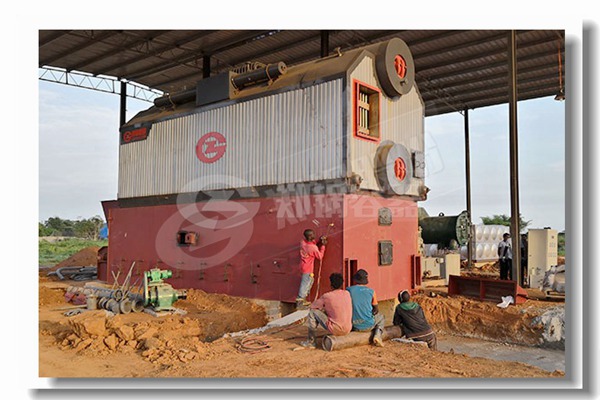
x=455 y=69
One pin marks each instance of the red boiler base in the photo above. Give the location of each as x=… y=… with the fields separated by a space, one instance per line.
x=250 y=247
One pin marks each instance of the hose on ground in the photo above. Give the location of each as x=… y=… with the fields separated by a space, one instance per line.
x=253 y=345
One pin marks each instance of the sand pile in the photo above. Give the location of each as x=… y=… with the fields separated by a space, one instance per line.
x=49 y=297
x=83 y=258
x=461 y=316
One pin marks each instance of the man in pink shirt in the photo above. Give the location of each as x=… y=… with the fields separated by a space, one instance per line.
x=333 y=311
x=309 y=250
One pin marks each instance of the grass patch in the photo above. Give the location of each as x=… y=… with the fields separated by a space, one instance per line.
x=53 y=253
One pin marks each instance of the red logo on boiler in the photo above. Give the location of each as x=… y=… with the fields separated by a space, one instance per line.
x=135 y=134
x=211 y=147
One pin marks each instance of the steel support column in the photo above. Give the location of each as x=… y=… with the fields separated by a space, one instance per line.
x=123 y=106
x=206 y=67
x=324 y=43
x=468 y=183
x=515 y=230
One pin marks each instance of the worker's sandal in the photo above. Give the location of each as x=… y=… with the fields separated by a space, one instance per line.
x=309 y=344
x=377 y=338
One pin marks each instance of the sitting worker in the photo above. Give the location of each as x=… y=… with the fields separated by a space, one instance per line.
x=365 y=311
x=333 y=311
x=410 y=317
x=309 y=250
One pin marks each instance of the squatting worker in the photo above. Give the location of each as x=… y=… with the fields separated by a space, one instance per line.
x=333 y=311
x=505 y=254
x=309 y=251
x=365 y=310
x=410 y=317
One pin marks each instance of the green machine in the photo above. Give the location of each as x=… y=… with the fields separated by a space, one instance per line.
x=159 y=294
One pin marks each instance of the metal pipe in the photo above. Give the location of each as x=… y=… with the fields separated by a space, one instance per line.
x=125 y=306
x=102 y=292
x=468 y=183
x=182 y=97
x=137 y=305
x=258 y=76
x=515 y=230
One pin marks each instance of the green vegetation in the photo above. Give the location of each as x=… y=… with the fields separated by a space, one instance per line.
x=85 y=228
x=504 y=219
x=561 y=244
x=53 y=253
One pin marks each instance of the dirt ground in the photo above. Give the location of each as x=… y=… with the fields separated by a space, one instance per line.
x=93 y=344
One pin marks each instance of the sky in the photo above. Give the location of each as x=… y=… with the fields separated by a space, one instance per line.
x=78 y=157
x=541 y=141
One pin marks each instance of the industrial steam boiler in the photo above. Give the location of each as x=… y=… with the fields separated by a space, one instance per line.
x=218 y=183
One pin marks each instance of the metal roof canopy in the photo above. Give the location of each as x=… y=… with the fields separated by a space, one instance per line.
x=455 y=69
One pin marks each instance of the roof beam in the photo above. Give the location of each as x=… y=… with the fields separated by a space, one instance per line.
x=491 y=53
x=486 y=86
x=439 y=109
x=53 y=37
x=277 y=49
x=500 y=75
x=284 y=47
x=81 y=46
x=311 y=56
x=460 y=46
x=240 y=40
x=498 y=64
x=497 y=93
x=115 y=51
x=439 y=35
x=159 y=51
x=252 y=57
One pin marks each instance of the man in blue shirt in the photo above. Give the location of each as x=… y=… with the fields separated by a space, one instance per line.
x=365 y=310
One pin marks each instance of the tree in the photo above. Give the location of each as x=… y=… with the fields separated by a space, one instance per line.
x=504 y=219
x=89 y=228
x=43 y=230
x=60 y=227
x=83 y=228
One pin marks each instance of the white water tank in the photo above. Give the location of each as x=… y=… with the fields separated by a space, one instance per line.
x=479 y=233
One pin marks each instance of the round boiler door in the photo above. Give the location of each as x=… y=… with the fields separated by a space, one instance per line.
x=394 y=168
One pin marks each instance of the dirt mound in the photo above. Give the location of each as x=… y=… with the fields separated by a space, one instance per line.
x=173 y=340
x=487 y=269
x=165 y=340
x=460 y=316
x=235 y=313
x=83 y=258
x=49 y=297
